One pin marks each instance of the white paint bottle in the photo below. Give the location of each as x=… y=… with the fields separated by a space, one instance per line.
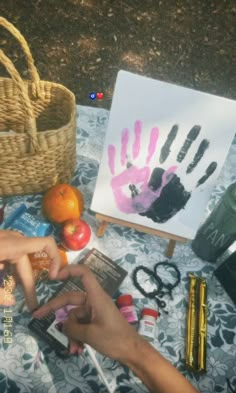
x=147 y=324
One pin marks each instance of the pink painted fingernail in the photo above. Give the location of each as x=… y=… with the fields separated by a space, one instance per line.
x=73 y=349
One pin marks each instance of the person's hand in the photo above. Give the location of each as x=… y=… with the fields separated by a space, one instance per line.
x=96 y=320
x=14 y=248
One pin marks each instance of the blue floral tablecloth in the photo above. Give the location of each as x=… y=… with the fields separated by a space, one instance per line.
x=29 y=365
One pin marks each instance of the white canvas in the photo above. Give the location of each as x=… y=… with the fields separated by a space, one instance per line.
x=150 y=121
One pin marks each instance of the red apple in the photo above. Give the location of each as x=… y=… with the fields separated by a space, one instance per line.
x=76 y=234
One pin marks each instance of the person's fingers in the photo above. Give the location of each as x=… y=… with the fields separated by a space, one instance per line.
x=81 y=314
x=75 y=347
x=8 y=284
x=5 y=232
x=52 y=251
x=72 y=297
x=63 y=274
x=90 y=283
x=75 y=331
x=7 y=252
x=6 y=299
x=25 y=273
x=48 y=245
x=27 y=245
x=78 y=322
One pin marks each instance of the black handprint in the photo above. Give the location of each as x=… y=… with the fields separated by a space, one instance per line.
x=192 y=135
x=172 y=199
x=174 y=196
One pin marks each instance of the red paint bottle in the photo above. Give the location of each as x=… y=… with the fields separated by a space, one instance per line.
x=126 y=307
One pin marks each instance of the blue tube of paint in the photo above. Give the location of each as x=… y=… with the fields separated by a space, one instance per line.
x=23 y=220
x=13 y=216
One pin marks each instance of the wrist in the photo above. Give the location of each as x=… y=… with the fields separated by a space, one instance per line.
x=144 y=361
x=135 y=350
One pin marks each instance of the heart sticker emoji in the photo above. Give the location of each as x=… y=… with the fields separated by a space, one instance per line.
x=99 y=96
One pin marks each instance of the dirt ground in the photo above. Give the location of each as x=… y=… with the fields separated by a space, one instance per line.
x=84 y=43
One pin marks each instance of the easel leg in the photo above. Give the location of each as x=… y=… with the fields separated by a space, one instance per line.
x=102 y=228
x=170 y=248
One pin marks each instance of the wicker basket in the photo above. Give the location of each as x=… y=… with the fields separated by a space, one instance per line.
x=37 y=129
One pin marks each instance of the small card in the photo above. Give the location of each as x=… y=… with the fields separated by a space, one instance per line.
x=109 y=275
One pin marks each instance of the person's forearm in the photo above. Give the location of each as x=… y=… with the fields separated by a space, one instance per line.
x=154 y=370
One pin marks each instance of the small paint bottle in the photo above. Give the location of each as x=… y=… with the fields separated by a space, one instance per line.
x=147 y=324
x=126 y=307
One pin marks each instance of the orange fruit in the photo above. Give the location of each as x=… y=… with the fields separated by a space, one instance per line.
x=63 y=202
x=63 y=255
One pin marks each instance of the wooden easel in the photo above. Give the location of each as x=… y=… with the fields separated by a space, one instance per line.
x=105 y=220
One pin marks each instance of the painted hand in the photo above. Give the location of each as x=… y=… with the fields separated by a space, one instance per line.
x=93 y=318
x=157 y=194
x=14 y=248
x=132 y=176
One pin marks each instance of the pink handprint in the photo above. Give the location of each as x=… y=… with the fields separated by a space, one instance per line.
x=140 y=199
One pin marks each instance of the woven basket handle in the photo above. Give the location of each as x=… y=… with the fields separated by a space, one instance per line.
x=32 y=69
x=30 y=119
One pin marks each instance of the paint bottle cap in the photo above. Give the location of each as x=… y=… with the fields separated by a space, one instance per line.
x=150 y=312
x=124 y=300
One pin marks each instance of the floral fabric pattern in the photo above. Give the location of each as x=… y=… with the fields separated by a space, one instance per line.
x=29 y=365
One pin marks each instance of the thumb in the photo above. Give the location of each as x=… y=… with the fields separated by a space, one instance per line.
x=78 y=324
x=76 y=331
x=82 y=314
